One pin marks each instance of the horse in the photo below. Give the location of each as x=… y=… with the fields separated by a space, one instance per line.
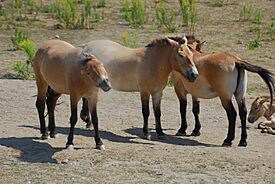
x=222 y=75
x=144 y=70
x=61 y=68
x=260 y=108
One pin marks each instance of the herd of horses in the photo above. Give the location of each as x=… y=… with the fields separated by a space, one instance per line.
x=61 y=68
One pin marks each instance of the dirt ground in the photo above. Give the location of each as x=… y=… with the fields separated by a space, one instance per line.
x=128 y=158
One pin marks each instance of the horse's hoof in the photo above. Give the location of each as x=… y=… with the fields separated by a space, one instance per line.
x=226 y=144
x=44 y=136
x=84 y=117
x=53 y=135
x=147 y=136
x=70 y=147
x=181 y=133
x=88 y=125
x=242 y=143
x=100 y=147
x=196 y=134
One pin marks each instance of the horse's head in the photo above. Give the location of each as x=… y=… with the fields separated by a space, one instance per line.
x=257 y=110
x=92 y=67
x=182 y=61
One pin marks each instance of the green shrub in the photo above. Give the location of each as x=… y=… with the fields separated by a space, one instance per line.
x=164 y=18
x=29 y=48
x=101 y=3
x=21 y=69
x=18 y=36
x=254 y=44
x=271 y=31
x=134 y=12
x=246 y=12
x=257 y=29
x=129 y=40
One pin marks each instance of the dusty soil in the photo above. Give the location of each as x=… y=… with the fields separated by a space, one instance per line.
x=24 y=158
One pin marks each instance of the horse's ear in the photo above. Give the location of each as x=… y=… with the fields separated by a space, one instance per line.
x=86 y=57
x=199 y=46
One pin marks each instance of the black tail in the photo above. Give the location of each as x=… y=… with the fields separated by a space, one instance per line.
x=265 y=74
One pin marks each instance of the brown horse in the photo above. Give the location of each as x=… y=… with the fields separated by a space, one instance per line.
x=260 y=108
x=220 y=75
x=60 y=68
x=143 y=70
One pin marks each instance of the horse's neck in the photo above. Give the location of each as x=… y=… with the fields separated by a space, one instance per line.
x=159 y=60
x=267 y=114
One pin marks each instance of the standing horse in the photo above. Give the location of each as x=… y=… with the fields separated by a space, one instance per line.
x=60 y=68
x=143 y=70
x=220 y=75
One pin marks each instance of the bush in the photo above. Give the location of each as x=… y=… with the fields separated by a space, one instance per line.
x=28 y=47
x=189 y=15
x=101 y=3
x=134 y=13
x=21 y=69
x=18 y=36
x=165 y=19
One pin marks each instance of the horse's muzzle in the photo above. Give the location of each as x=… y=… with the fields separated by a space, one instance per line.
x=251 y=119
x=104 y=84
x=192 y=74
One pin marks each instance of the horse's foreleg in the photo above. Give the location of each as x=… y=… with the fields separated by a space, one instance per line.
x=231 y=115
x=243 y=114
x=196 y=111
x=93 y=111
x=84 y=114
x=73 y=120
x=51 y=103
x=157 y=112
x=145 y=112
x=183 y=105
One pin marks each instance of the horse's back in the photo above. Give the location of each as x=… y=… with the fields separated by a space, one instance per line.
x=119 y=61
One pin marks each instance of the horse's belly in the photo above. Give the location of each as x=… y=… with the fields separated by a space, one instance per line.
x=198 y=90
x=126 y=85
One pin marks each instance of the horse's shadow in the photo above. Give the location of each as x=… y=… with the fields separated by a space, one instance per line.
x=31 y=149
x=91 y=133
x=169 y=139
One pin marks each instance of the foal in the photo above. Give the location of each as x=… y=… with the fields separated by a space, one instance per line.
x=143 y=70
x=220 y=75
x=60 y=68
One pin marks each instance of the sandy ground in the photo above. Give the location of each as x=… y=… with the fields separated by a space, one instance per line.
x=24 y=158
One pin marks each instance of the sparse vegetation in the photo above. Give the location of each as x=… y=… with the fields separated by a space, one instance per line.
x=257 y=29
x=129 y=40
x=246 y=12
x=165 y=18
x=18 y=36
x=271 y=31
x=189 y=15
x=134 y=12
x=101 y=3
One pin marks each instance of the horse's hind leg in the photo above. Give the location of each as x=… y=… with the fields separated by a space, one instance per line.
x=40 y=105
x=51 y=103
x=145 y=97
x=231 y=115
x=84 y=114
x=242 y=114
x=196 y=111
x=156 y=98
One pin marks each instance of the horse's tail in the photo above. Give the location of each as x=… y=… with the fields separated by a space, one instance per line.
x=265 y=74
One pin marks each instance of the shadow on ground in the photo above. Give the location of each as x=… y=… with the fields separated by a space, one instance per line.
x=103 y=134
x=31 y=149
x=169 y=139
